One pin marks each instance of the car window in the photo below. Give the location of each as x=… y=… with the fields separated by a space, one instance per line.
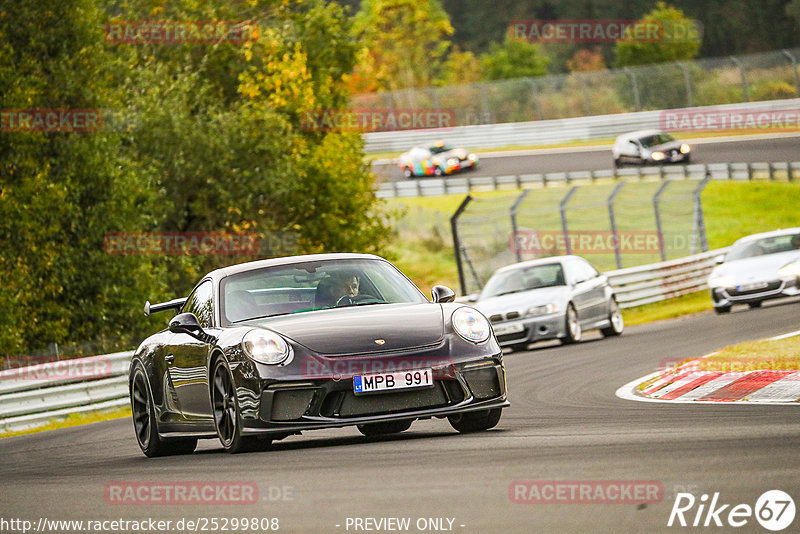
x=440 y=149
x=524 y=279
x=655 y=140
x=201 y=303
x=313 y=286
x=764 y=246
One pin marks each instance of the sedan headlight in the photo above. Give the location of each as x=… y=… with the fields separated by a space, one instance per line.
x=471 y=325
x=657 y=156
x=266 y=347
x=542 y=310
x=685 y=149
x=790 y=270
x=721 y=280
x=472 y=157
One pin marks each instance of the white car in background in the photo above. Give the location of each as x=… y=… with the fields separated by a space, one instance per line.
x=649 y=146
x=757 y=268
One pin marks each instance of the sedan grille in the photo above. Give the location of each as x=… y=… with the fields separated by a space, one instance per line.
x=499 y=317
x=771 y=286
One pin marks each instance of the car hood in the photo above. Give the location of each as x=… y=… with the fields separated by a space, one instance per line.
x=521 y=301
x=358 y=329
x=758 y=268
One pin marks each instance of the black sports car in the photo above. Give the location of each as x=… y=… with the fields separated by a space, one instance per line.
x=266 y=349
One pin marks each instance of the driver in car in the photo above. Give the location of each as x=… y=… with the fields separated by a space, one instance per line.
x=348 y=289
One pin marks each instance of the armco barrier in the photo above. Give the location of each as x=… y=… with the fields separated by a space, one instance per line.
x=548 y=132
x=31 y=396
x=27 y=400
x=455 y=185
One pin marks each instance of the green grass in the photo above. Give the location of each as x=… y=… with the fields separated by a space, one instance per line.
x=773 y=355
x=74 y=420
x=732 y=210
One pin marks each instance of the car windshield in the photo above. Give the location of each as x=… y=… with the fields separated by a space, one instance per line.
x=524 y=279
x=440 y=149
x=312 y=286
x=655 y=140
x=762 y=247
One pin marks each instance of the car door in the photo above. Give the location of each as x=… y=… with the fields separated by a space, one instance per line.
x=187 y=356
x=587 y=289
x=596 y=289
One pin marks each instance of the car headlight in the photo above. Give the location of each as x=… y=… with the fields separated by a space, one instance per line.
x=472 y=157
x=720 y=280
x=657 y=156
x=265 y=346
x=471 y=325
x=452 y=161
x=790 y=270
x=542 y=310
x=685 y=149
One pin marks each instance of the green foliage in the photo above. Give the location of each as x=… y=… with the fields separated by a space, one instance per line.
x=406 y=41
x=196 y=137
x=673 y=47
x=513 y=59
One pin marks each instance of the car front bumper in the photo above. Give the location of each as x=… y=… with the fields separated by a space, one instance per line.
x=773 y=289
x=291 y=406
x=530 y=329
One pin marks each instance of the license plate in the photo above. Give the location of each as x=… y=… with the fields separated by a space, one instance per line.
x=418 y=378
x=503 y=329
x=753 y=286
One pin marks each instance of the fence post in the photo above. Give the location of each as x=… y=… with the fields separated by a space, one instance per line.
x=657 y=213
x=457 y=241
x=613 y=220
x=687 y=82
x=698 y=221
x=793 y=60
x=562 y=208
x=636 y=98
x=514 y=228
x=740 y=66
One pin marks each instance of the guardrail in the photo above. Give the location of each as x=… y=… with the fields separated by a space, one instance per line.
x=548 y=132
x=34 y=395
x=655 y=282
x=773 y=171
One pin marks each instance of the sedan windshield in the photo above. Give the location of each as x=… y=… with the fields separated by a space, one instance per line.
x=762 y=247
x=440 y=149
x=311 y=286
x=655 y=140
x=535 y=277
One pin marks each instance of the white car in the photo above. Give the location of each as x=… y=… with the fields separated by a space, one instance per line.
x=757 y=268
x=649 y=146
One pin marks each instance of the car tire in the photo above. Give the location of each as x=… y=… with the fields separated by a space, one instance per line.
x=227 y=420
x=519 y=347
x=407 y=172
x=722 y=309
x=572 y=326
x=437 y=171
x=145 y=425
x=389 y=427
x=616 y=324
x=475 y=421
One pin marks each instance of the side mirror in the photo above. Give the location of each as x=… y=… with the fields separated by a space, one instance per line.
x=472 y=297
x=185 y=323
x=442 y=294
x=719 y=259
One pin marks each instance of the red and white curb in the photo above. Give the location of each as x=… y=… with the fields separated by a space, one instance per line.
x=688 y=383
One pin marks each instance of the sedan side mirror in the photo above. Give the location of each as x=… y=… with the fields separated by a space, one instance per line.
x=719 y=259
x=442 y=294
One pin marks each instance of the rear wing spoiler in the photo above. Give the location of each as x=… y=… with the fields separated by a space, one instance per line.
x=173 y=304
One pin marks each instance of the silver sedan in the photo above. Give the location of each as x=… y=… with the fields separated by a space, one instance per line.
x=757 y=268
x=549 y=298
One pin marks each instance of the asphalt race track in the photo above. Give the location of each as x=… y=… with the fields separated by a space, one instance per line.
x=758 y=150
x=565 y=424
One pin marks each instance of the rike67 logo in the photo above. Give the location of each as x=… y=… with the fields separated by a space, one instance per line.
x=774 y=510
